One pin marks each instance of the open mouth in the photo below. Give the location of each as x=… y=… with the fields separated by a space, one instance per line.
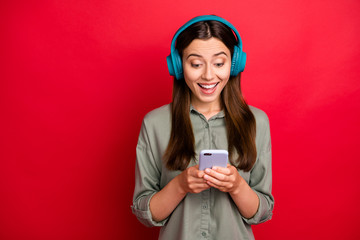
x=208 y=86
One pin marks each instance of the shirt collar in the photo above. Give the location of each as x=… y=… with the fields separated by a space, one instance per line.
x=220 y=114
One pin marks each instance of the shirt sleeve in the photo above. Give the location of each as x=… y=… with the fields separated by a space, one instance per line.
x=147 y=180
x=261 y=175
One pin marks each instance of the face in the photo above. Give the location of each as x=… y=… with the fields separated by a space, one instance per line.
x=206 y=65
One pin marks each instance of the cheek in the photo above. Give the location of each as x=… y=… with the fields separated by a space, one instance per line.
x=192 y=75
x=190 y=82
x=223 y=84
x=224 y=74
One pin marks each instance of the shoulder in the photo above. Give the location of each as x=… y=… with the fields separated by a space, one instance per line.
x=259 y=115
x=262 y=139
x=158 y=113
x=156 y=128
x=261 y=118
x=158 y=117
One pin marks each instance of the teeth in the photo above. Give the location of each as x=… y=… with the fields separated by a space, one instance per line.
x=207 y=86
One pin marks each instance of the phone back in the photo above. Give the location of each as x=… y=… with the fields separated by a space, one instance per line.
x=209 y=158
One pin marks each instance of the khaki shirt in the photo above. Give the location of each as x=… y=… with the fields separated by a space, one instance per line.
x=211 y=214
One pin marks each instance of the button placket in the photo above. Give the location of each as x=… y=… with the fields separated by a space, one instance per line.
x=205 y=213
x=205 y=195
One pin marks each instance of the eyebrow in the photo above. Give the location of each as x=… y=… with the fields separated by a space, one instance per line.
x=197 y=55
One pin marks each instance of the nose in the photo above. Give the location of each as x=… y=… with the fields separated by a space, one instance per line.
x=208 y=73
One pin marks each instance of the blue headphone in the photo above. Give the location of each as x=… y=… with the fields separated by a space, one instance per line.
x=174 y=60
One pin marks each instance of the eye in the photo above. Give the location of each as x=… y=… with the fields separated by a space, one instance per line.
x=195 y=65
x=219 y=64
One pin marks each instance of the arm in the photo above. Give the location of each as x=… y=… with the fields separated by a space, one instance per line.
x=152 y=204
x=245 y=198
x=147 y=177
x=163 y=203
x=254 y=200
x=229 y=180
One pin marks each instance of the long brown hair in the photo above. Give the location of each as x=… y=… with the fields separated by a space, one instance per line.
x=240 y=122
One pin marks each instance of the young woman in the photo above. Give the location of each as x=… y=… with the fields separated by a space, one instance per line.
x=207 y=112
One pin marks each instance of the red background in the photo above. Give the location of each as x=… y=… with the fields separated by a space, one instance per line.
x=77 y=77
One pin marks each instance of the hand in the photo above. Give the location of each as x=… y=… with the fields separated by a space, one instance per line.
x=225 y=179
x=191 y=180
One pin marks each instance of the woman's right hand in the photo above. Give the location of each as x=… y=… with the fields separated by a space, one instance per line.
x=163 y=203
x=191 y=180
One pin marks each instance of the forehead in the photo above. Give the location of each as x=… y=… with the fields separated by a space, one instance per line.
x=206 y=47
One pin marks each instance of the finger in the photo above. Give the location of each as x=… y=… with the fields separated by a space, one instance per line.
x=226 y=171
x=200 y=187
x=211 y=184
x=200 y=174
x=214 y=181
x=197 y=174
x=221 y=188
x=215 y=174
x=197 y=180
x=193 y=171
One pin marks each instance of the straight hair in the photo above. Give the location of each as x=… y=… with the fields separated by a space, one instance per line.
x=239 y=120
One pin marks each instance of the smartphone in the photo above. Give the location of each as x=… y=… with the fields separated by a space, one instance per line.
x=209 y=158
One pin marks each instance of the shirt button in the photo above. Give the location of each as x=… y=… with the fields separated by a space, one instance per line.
x=204 y=206
x=206 y=126
x=203 y=233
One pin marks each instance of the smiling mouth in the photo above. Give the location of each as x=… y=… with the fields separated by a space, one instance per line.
x=207 y=86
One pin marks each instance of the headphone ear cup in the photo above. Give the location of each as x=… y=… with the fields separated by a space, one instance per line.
x=170 y=65
x=238 y=61
x=175 y=65
x=242 y=61
x=235 y=62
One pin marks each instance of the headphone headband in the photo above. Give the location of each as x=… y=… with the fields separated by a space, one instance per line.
x=205 y=18
x=174 y=60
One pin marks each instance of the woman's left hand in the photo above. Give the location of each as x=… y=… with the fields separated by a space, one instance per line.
x=225 y=179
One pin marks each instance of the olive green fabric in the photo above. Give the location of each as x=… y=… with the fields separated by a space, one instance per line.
x=211 y=214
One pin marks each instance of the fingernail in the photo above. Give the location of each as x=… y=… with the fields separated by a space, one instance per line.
x=207 y=170
x=214 y=168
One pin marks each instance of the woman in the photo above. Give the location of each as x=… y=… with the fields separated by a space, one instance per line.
x=207 y=112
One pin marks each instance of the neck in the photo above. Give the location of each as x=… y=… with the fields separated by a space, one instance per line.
x=207 y=109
